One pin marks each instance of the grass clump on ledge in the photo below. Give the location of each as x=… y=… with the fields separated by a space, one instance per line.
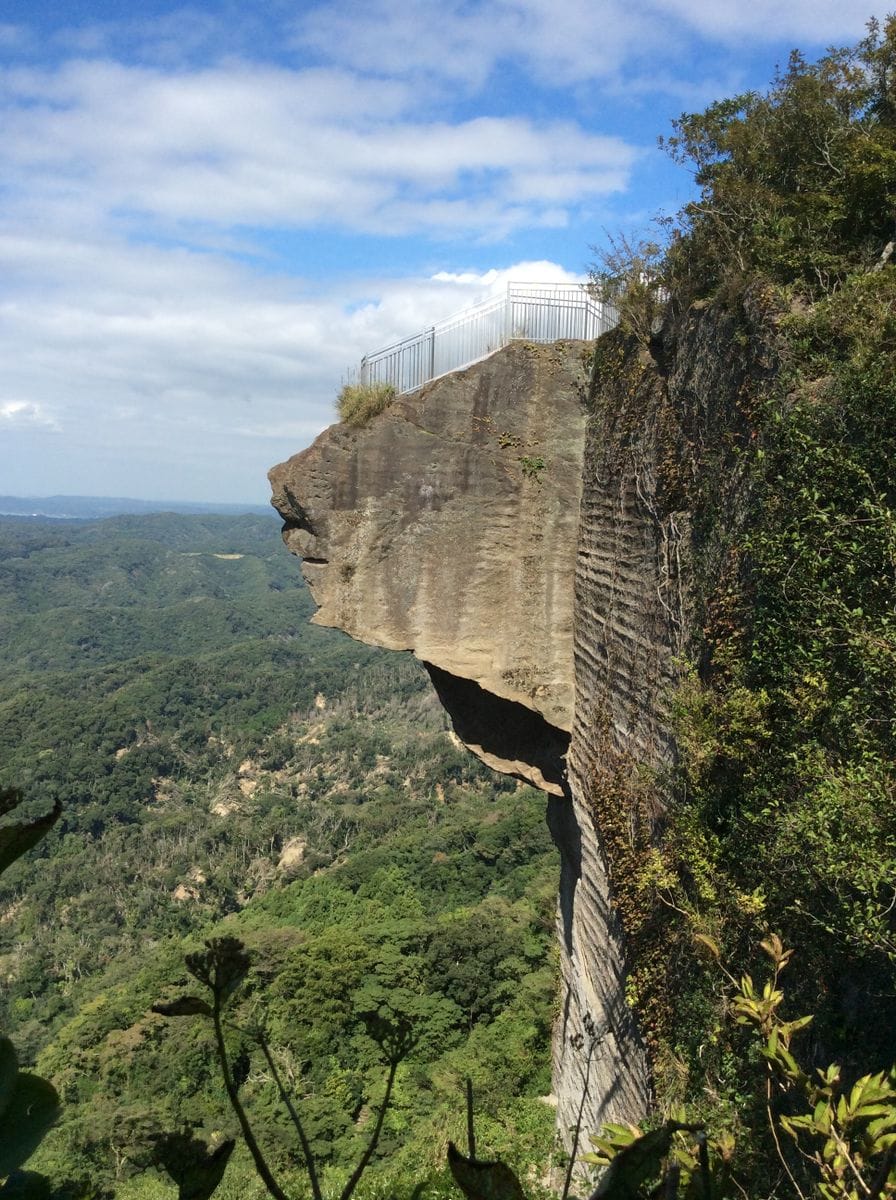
x=359 y=403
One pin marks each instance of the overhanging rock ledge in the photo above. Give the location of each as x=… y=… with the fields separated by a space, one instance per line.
x=447 y=526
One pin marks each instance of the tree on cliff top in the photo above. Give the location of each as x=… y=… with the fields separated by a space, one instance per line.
x=799 y=183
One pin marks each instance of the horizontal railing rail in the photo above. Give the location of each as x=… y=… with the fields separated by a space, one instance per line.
x=529 y=311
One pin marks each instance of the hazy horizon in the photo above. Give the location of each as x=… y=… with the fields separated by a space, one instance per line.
x=123 y=505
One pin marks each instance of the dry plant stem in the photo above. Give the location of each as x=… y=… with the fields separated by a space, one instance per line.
x=471 y=1133
x=734 y=1182
x=774 y=1132
x=375 y=1137
x=258 y=1158
x=885 y=257
x=294 y=1116
x=844 y=1150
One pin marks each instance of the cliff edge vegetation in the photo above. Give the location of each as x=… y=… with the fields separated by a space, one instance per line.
x=772 y=496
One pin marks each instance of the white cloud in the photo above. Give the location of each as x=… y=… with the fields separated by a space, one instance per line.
x=490 y=283
x=265 y=146
x=147 y=344
x=464 y=41
x=23 y=414
x=583 y=40
x=804 y=21
x=186 y=374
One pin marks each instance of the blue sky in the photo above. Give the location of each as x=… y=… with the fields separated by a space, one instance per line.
x=209 y=212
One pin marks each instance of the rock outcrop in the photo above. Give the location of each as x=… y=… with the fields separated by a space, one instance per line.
x=548 y=601
x=437 y=529
x=448 y=526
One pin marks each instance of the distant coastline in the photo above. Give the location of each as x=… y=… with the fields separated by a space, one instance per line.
x=89 y=508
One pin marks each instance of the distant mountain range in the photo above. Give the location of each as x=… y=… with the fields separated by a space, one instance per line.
x=87 y=508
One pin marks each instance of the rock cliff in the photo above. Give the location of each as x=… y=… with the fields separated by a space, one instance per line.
x=663 y=489
x=529 y=534
x=448 y=526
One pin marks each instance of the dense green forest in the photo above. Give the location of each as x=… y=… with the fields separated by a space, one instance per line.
x=226 y=767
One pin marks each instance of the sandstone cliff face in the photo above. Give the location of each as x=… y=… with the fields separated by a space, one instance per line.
x=424 y=531
x=549 y=605
x=448 y=527
x=661 y=422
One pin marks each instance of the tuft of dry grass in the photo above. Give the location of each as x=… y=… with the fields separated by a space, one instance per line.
x=359 y=403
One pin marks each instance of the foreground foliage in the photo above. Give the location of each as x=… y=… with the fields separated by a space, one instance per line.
x=845 y=1134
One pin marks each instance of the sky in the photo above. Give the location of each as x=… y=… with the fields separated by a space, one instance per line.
x=210 y=212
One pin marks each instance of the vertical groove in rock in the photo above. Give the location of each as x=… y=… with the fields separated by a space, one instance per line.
x=662 y=494
x=621 y=643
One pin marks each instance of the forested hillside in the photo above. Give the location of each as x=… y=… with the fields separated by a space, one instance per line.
x=224 y=766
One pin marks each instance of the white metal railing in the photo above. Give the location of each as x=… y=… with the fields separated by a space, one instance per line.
x=528 y=311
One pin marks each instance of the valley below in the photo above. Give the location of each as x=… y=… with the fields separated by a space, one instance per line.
x=226 y=768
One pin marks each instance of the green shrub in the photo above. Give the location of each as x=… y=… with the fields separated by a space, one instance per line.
x=359 y=403
x=532 y=465
x=630 y=275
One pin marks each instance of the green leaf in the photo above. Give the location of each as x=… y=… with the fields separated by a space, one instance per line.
x=483 y=1180
x=31 y=1112
x=821 y=1117
x=869 y=1111
x=798 y=1023
x=620 y=1135
x=786 y=1060
x=636 y=1165
x=791 y=1124
x=830 y=1075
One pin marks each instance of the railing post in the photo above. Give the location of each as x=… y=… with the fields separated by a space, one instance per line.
x=364 y=373
x=432 y=352
x=508 y=316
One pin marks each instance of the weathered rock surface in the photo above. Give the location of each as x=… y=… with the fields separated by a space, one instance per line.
x=648 y=540
x=550 y=605
x=424 y=531
x=447 y=526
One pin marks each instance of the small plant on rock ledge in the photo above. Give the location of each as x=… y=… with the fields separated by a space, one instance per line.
x=359 y=403
x=629 y=275
x=532 y=466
